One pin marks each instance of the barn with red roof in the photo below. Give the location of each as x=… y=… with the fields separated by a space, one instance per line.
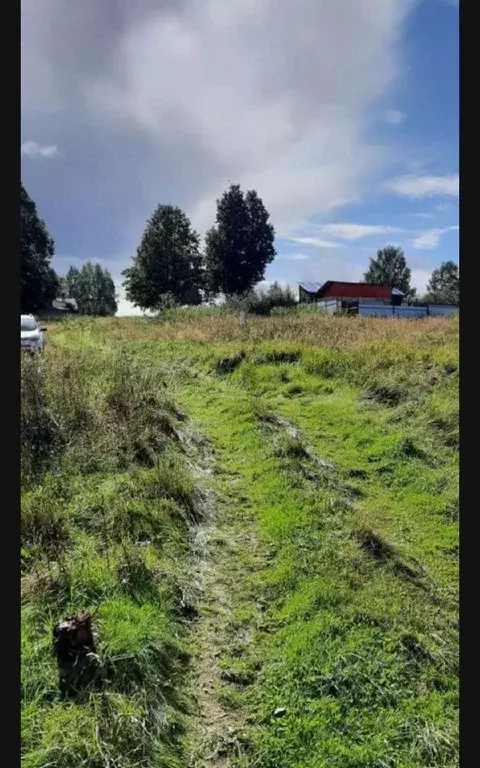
x=340 y=295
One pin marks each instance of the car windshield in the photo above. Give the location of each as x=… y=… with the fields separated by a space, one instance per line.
x=28 y=324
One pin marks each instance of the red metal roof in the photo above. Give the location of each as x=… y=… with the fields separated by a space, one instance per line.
x=335 y=289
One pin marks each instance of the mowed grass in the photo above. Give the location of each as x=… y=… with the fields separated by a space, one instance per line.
x=360 y=508
x=336 y=442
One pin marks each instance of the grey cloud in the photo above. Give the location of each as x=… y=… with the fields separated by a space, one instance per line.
x=65 y=45
x=157 y=101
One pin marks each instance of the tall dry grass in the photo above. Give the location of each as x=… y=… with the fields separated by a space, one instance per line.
x=314 y=330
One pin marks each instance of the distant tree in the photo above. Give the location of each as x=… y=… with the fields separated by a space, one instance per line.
x=168 y=266
x=93 y=289
x=444 y=284
x=280 y=294
x=277 y=296
x=241 y=243
x=262 y=302
x=389 y=267
x=38 y=281
x=62 y=287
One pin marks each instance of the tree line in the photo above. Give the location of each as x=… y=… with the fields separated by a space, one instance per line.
x=389 y=267
x=170 y=268
x=91 y=286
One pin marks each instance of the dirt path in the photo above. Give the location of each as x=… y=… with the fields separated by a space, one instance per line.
x=215 y=726
x=230 y=562
x=223 y=543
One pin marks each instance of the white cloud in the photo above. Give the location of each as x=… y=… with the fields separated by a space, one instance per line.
x=314 y=242
x=426 y=241
x=394 y=117
x=32 y=149
x=294 y=256
x=269 y=93
x=424 y=215
x=425 y=186
x=346 y=231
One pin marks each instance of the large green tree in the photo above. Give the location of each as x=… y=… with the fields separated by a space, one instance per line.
x=38 y=281
x=93 y=289
x=240 y=244
x=444 y=284
x=389 y=267
x=168 y=266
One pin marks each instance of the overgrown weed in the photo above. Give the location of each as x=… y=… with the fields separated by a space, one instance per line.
x=107 y=503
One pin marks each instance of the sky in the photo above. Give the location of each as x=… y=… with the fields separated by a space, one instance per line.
x=342 y=115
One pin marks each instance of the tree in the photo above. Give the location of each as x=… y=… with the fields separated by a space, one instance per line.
x=93 y=289
x=281 y=297
x=240 y=245
x=38 y=281
x=168 y=266
x=444 y=284
x=389 y=267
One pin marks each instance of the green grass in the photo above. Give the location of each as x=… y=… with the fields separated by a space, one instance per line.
x=107 y=503
x=360 y=650
x=336 y=463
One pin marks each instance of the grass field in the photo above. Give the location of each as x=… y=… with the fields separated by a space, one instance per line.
x=263 y=521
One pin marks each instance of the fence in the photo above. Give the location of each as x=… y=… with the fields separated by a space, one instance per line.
x=377 y=310
x=438 y=309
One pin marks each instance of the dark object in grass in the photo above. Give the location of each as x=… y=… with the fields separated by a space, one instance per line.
x=291 y=447
x=229 y=364
x=238 y=678
x=359 y=473
x=383 y=552
x=279 y=357
x=385 y=395
x=408 y=448
x=143 y=453
x=188 y=608
x=73 y=636
x=414 y=649
x=293 y=390
x=386 y=469
x=72 y=643
x=374 y=545
x=450 y=368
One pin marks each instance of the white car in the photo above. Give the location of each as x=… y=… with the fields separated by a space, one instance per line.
x=31 y=335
